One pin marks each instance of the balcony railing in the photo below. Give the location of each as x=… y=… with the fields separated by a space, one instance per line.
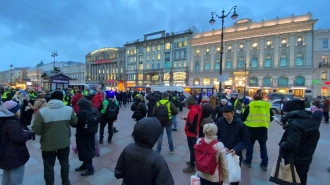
x=324 y=64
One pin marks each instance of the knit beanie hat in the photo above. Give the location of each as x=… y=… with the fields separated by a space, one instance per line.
x=205 y=99
x=12 y=106
x=224 y=100
x=210 y=129
x=165 y=95
x=293 y=105
x=190 y=100
x=57 y=95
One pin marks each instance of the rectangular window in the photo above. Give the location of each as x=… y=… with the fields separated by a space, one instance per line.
x=299 y=41
x=179 y=64
x=207 y=51
x=174 y=64
x=148 y=66
x=158 y=56
x=180 y=44
x=140 y=58
x=179 y=54
x=148 y=49
x=153 y=57
x=184 y=43
x=152 y=66
x=283 y=43
x=167 y=56
x=197 y=52
x=134 y=59
x=148 y=58
x=184 y=63
x=140 y=76
x=324 y=75
x=241 y=47
x=228 y=65
x=167 y=65
x=324 y=59
x=141 y=66
x=184 y=54
x=153 y=48
x=134 y=51
x=158 y=65
x=325 y=43
x=158 y=48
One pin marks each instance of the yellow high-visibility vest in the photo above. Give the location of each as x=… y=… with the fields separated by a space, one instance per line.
x=259 y=114
x=163 y=102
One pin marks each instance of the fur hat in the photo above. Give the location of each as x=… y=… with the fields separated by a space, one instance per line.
x=12 y=106
x=210 y=129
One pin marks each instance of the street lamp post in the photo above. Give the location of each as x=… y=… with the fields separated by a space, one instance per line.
x=11 y=74
x=222 y=17
x=54 y=54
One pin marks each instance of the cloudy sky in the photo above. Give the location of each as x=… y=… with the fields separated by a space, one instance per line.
x=31 y=29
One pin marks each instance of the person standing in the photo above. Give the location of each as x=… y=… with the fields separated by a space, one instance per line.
x=26 y=113
x=153 y=98
x=232 y=133
x=301 y=136
x=97 y=99
x=67 y=98
x=181 y=98
x=109 y=110
x=176 y=102
x=192 y=130
x=257 y=116
x=164 y=111
x=74 y=101
x=6 y=96
x=55 y=136
x=236 y=103
x=217 y=113
x=326 y=105
x=18 y=97
x=39 y=103
x=207 y=112
x=124 y=98
x=281 y=105
x=13 y=152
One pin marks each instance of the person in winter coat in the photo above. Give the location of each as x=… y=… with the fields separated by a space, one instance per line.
x=213 y=101
x=15 y=154
x=124 y=96
x=316 y=106
x=210 y=131
x=281 y=105
x=326 y=105
x=105 y=119
x=207 y=112
x=236 y=102
x=181 y=98
x=26 y=112
x=301 y=135
x=47 y=95
x=139 y=108
x=18 y=97
x=138 y=163
x=153 y=98
x=192 y=130
x=97 y=99
x=217 y=113
x=74 y=101
x=233 y=133
x=85 y=140
x=39 y=103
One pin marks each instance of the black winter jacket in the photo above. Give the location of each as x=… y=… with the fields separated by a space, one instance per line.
x=139 y=108
x=153 y=98
x=234 y=135
x=217 y=113
x=138 y=164
x=301 y=135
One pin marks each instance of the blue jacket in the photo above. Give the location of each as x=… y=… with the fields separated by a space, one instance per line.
x=234 y=135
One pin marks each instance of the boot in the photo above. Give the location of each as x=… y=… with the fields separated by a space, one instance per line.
x=74 y=148
x=97 y=151
x=90 y=171
x=80 y=168
x=189 y=169
x=115 y=130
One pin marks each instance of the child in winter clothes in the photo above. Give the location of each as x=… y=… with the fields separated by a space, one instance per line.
x=210 y=130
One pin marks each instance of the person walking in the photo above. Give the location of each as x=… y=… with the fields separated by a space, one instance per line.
x=153 y=98
x=74 y=101
x=233 y=133
x=109 y=110
x=13 y=152
x=84 y=139
x=164 y=111
x=26 y=113
x=192 y=130
x=138 y=163
x=176 y=102
x=301 y=136
x=139 y=108
x=257 y=116
x=97 y=99
x=326 y=105
x=55 y=136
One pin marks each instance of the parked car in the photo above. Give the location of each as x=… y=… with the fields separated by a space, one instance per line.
x=276 y=107
x=273 y=96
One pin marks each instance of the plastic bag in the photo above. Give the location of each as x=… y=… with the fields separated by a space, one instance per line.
x=234 y=168
x=195 y=180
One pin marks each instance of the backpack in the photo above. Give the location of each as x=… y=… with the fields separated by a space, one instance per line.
x=162 y=112
x=92 y=121
x=112 y=110
x=176 y=101
x=205 y=156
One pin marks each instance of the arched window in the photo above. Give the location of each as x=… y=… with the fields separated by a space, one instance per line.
x=254 y=62
x=299 y=81
x=197 y=66
x=241 y=63
x=217 y=64
x=268 y=61
x=283 y=61
x=267 y=82
x=283 y=82
x=206 y=81
x=206 y=66
x=196 y=81
x=229 y=64
x=253 y=81
x=300 y=60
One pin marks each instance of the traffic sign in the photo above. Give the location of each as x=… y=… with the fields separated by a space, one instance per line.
x=223 y=78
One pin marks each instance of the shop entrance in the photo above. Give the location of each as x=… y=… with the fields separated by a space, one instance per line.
x=299 y=93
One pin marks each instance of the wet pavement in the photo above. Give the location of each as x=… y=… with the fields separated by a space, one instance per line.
x=105 y=164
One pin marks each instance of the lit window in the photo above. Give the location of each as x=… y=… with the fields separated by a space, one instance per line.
x=324 y=75
x=179 y=44
x=241 y=45
x=148 y=66
x=141 y=66
x=168 y=46
x=207 y=50
x=197 y=51
x=184 y=63
x=229 y=47
x=158 y=57
x=184 y=43
x=148 y=49
x=218 y=48
x=299 y=39
x=179 y=64
x=324 y=59
x=174 y=64
x=158 y=47
x=134 y=51
x=254 y=44
x=268 y=42
x=283 y=41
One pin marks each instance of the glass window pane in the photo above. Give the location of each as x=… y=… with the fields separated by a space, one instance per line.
x=268 y=61
x=253 y=81
x=283 y=61
x=197 y=66
x=299 y=81
x=241 y=63
x=254 y=62
x=300 y=60
x=228 y=64
x=207 y=66
x=267 y=82
x=282 y=81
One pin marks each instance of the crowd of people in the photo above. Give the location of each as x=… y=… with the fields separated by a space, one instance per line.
x=227 y=125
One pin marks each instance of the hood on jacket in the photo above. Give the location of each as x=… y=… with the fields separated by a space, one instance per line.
x=5 y=112
x=147 y=131
x=84 y=104
x=296 y=114
x=55 y=104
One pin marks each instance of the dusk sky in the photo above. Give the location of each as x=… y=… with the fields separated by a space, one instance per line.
x=30 y=30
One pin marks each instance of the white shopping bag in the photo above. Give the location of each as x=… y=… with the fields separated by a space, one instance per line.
x=195 y=180
x=234 y=168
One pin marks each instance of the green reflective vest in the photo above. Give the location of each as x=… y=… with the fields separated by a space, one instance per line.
x=4 y=96
x=163 y=102
x=259 y=114
x=66 y=100
x=85 y=93
x=32 y=96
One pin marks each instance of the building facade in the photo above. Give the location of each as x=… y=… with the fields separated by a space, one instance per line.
x=107 y=66
x=321 y=82
x=275 y=55
x=159 y=58
x=14 y=76
x=76 y=72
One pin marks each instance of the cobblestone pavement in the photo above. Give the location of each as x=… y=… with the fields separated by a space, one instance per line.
x=105 y=164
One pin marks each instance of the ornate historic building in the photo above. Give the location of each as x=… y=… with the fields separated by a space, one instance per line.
x=275 y=55
x=321 y=82
x=76 y=72
x=159 y=58
x=106 y=65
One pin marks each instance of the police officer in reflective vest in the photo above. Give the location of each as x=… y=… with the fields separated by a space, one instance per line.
x=236 y=103
x=6 y=95
x=257 y=116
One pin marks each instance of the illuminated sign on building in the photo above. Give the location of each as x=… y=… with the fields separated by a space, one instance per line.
x=103 y=61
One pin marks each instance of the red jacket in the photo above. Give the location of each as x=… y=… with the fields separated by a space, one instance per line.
x=193 y=120
x=97 y=100
x=74 y=102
